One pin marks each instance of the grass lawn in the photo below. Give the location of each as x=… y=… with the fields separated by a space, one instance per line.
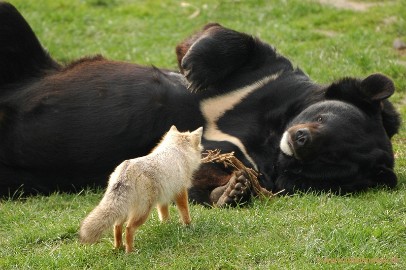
x=304 y=231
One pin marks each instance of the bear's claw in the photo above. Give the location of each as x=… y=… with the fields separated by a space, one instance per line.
x=236 y=191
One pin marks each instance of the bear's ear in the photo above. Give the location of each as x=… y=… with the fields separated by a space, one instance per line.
x=390 y=118
x=377 y=87
x=366 y=93
x=211 y=55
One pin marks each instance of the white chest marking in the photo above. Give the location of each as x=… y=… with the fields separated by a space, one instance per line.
x=214 y=108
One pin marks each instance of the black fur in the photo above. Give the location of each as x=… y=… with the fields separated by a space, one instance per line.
x=352 y=149
x=67 y=127
x=21 y=54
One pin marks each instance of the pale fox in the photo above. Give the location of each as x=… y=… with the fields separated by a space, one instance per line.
x=137 y=185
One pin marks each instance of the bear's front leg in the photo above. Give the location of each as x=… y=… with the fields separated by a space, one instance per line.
x=236 y=191
x=215 y=185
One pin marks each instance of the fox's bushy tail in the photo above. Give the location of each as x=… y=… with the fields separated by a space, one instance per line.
x=100 y=219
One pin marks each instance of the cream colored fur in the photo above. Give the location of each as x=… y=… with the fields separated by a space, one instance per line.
x=137 y=185
x=213 y=109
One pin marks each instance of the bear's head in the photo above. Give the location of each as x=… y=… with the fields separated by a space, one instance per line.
x=343 y=141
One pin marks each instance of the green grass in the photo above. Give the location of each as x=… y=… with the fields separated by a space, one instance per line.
x=305 y=231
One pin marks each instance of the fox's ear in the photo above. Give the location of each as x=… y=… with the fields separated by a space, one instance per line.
x=173 y=128
x=197 y=137
x=198 y=131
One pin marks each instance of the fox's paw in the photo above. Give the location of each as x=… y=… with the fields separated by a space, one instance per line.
x=237 y=191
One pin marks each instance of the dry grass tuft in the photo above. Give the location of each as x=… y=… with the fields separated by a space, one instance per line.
x=230 y=161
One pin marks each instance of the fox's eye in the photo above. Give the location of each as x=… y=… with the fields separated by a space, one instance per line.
x=320 y=119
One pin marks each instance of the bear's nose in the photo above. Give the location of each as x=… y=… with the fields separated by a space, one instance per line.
x=302 y=136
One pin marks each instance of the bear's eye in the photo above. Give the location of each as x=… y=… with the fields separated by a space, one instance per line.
x=319 y=119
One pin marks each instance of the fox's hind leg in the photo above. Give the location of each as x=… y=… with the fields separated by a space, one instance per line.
x=132 y=224
x=118 y=235
x=183 y=206
x=163 y=212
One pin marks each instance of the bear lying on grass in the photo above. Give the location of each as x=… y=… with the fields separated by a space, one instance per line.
x=63 y=128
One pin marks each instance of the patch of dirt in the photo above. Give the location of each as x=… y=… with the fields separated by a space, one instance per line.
x=345 y=4
x=327 y=33
x=390 y=20
x=402 y=63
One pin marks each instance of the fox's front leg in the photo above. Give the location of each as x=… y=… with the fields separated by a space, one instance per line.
x=183 y=206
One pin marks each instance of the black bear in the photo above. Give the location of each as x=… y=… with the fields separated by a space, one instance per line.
x=65 y=127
